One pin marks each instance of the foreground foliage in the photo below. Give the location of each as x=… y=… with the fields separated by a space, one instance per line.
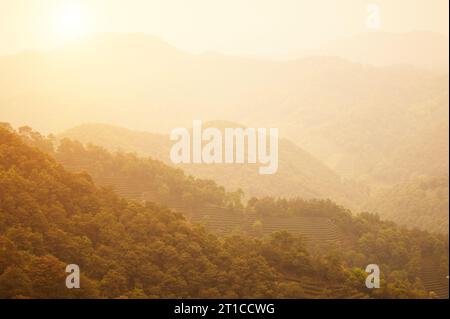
x=50 y=217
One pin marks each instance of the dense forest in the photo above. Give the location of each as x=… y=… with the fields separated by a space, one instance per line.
x=133 y=176
x=125 y=248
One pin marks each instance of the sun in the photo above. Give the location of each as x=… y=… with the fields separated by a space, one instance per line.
x=70 y=22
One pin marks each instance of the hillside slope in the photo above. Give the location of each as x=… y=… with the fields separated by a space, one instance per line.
x=421 y=203
x=50 y=218
x=299 y=173
x=45 y=210
x=408 y=203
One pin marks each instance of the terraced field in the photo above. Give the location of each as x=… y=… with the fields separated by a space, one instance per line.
x=313 y=228
x=433 y=282
x=219 y=220
x=313 y=289
x=122 y=187
x=222 y=221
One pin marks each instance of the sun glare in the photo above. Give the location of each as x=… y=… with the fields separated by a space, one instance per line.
x=70 y=22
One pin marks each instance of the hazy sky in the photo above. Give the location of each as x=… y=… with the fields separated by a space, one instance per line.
x=232 y=26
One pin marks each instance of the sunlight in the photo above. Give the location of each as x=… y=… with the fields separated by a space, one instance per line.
x=70 y=22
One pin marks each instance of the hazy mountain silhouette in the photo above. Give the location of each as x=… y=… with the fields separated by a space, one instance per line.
x=363 y=121
x=421 y=49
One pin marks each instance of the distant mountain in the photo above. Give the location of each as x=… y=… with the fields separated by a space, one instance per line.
x=420 y=49
x=299 y=173
x=378 y=125
x=381 y=125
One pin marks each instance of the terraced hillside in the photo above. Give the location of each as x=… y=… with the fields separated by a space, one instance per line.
x=224 y=221
x=312 y=290
x=317 y=230
x=219 y=220
x=434 y=282
x=314 y=229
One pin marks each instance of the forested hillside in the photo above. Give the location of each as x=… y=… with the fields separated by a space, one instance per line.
x=412 y=204
x=51 y=217
x=299 y=173
x=135 y=177
x=421 y=202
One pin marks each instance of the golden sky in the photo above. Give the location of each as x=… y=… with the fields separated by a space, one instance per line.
x=231 y=26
